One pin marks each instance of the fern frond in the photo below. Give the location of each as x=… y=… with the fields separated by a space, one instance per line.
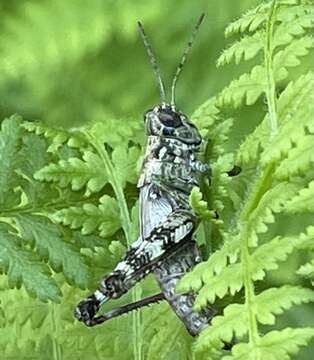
x=57 y=136
x=206 y=116
x=204 y=271
x=289 y=56
x=24 y=267
x=10 y=142
x=117 y=132
x=234 y=321
x=230 y=278
x=274 y=301
x=293 y=95
x=199 y=205
x=220 y=181
x=292 y=26
x=291 y=131
x=267 y=256
x=300 y=159
x=250 y=21
x=245 y=49
x=248 y=88
x=306 y=239
x=82 y=34
x=249 y=148
x=89 y=171
x=276 y=345
x=289 y=99
x=219 y=135
x=223 y=328
x=296 y=10
x=307 y=270
x=104 y=217
x=50 y=246
x=271 y=202
x=125 y=161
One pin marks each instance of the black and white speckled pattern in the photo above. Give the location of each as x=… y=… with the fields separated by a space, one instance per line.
x=165 y=246
x=168 y=273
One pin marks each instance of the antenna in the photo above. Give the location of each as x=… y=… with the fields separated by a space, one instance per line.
x=153 y=61
x=183 y=59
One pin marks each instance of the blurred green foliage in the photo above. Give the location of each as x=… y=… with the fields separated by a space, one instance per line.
x=69 y=62
x=72 y=62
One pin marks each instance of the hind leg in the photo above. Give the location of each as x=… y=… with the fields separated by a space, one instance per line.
x=141 y=259
x=169 y=273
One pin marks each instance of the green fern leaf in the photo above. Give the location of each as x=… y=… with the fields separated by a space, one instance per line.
x=295 y=26
x=291 y=132
x=116 y=132
x=272 y=202
x=50 y=246
x=303 y=201
x=200 y=206
x=298 y=9
x=169 y=336
x=292 y=96
x=289 y=57
x=82 y=35
x=33 y=157
x=248 y=88
x=89 y=217
x=204 y=271
x=250 y=21
x=223 y=328
x=58 y=136
x=219 y=135
x=267 y=256
x=234 y=321
x=306 y=239
x=89 y=171
x=307 y=270
x=276 y=345
x=249 y=149
x=300 y=159
x=245 y=49
x=230 y=278
x=287 y=101
x=275 y=301
x=10 y=141
x=24 y=267
x=206 y=115
x=125 y=162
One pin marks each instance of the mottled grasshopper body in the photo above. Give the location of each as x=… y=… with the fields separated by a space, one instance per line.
x=165 y=246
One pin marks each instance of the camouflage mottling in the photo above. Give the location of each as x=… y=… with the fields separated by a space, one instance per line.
x=165 y=245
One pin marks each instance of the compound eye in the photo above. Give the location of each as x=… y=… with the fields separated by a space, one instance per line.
x=170 y=119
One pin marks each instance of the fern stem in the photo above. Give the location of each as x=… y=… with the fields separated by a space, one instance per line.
x=57 y=350
x=262 y=184
x=126 y=226
x=268 y=59
x=254 y=337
